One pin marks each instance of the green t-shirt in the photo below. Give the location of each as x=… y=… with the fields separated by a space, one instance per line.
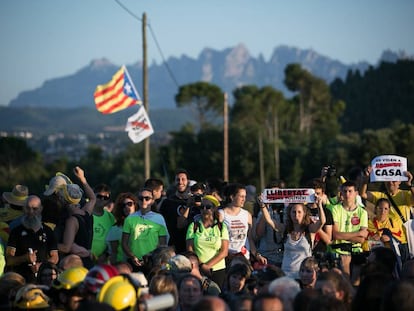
x=2 y=259
x=349 y=221
x=101 y=226
x=207 y=242
x=144 y=232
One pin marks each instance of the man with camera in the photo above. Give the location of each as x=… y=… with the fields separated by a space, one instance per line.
x=170 y=210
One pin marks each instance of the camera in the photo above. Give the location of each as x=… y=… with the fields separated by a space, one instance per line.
x=330 y=171
x=197 y=198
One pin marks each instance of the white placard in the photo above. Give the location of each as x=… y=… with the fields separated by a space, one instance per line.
x=299 y=195
x=388 y=168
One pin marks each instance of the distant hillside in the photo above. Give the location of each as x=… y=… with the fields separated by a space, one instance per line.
x=228 y=69
x=44 y=121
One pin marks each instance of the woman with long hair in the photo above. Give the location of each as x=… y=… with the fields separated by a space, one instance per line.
x=299 y=233
x=239 y=223
x=125 y=204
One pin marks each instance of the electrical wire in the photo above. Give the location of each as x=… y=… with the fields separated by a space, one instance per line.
x=170 y=72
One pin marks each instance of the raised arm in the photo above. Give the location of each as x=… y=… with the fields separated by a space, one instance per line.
x=364 y=193
x=315 y=226
x=410 y=184
x=90 y=195
x=279 y=227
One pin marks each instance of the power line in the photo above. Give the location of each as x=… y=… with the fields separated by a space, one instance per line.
x=162 y=56
x=155 y=40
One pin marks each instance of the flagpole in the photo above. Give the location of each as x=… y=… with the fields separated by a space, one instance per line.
x=145 y=92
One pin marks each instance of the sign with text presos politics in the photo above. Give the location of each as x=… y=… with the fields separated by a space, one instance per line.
x=304 y=195
x=388 y=168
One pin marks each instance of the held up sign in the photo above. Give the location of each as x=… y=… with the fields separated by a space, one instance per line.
x=388 y=168
x=288 y=195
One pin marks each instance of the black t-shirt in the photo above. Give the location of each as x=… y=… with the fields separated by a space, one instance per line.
x=170 y=211
x=319 y=245
x=42 y=242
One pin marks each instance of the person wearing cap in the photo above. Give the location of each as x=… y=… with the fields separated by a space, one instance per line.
x=30 y=297
x=66 y=290
x=31 y=243
x=78 y=226
x=13 y=202
x=209 y=239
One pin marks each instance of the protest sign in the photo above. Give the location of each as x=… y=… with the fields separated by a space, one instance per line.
x=300 y=195
x=388 y=168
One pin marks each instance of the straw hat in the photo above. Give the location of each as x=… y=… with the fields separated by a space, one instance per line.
x=17 y=196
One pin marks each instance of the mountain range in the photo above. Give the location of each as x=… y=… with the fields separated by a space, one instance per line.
x=228 y=68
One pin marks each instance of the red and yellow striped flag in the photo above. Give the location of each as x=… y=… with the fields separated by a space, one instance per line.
x=117 y=94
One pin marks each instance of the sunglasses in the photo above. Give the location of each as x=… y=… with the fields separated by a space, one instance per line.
x=129 y=203
x=102 y=197
x=141 y=198
x=207 y=206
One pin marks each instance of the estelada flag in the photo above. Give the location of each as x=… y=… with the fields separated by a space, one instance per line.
x=139 y=126
x=117 y=94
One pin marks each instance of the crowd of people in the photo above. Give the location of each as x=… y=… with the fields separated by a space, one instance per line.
x=207 y=245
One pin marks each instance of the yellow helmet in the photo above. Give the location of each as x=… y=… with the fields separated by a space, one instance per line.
x=31 y=296
x=119 y=293
x=70 y=278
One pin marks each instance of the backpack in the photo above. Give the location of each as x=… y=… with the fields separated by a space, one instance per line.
x=196 y=226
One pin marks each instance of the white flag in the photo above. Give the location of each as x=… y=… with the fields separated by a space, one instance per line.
x=139 y=126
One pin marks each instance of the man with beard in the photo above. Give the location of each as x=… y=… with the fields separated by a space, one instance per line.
x=171 y=207
x=31 y=242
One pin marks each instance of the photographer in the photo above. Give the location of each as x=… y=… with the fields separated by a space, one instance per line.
x=191 y=211
x=323 y=237
x=329 y=178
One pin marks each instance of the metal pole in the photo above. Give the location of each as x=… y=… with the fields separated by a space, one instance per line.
x=145 y=92
x=226 y=140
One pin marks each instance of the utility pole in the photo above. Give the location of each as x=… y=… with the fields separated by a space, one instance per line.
x=226 y=140
x=261 y=162
x=145 y=93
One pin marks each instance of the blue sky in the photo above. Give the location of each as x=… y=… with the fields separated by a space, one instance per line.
x=45 y=39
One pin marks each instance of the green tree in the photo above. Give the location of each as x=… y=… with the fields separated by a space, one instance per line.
x=261 y=111
x=317 y=110
x=20 y=164
x=207 y=98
